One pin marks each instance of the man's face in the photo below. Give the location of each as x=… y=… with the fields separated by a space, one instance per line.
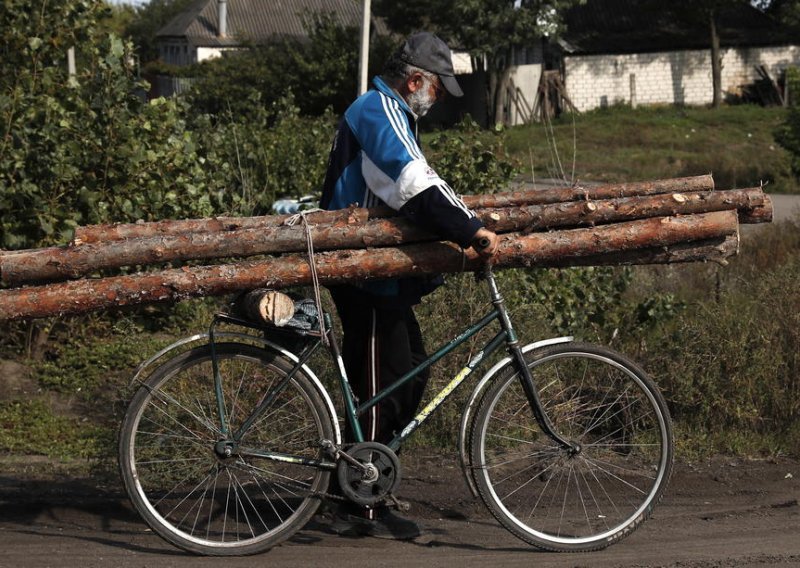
x=428 y=90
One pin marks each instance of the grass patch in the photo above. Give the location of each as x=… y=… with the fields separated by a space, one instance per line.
x=734 y=143
x=33 y=427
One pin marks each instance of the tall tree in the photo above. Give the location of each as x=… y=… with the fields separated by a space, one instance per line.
x=707 y=12
x=149 y=18
x=490 y=30
x=787 y=12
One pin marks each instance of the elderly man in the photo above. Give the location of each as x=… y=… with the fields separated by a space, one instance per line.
x=376 y=160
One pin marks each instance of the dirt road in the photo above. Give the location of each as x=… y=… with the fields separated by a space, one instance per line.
x=727 y=512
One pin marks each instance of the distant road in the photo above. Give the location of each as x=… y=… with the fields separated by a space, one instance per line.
x=785 y=207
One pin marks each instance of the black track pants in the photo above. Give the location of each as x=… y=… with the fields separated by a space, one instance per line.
x=380 y=345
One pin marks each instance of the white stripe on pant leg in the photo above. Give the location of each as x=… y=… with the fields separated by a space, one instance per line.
x=373 y=379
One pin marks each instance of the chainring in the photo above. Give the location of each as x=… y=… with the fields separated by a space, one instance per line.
x=381 y=478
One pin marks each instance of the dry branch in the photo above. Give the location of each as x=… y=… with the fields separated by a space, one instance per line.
x=569 y=247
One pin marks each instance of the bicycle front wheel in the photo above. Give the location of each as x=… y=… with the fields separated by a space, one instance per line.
x=595 y=494
x=189 y=491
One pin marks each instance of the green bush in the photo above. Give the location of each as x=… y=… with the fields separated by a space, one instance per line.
x=471 y=160
x=274 y=152
x=86 y=149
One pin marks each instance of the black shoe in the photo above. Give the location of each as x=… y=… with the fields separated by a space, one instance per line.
x=385 y=524
x=392 y=526
x=348 y=524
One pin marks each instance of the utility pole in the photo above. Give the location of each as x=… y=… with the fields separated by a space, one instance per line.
x=363 y=62
x=71 y=70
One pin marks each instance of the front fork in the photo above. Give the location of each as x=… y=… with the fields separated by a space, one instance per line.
x=526 y=379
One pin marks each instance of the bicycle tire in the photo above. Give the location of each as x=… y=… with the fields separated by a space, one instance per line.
x=184 y=490
x=563 y=501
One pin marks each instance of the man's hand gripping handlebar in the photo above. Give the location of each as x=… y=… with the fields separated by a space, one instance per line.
x=485 y=243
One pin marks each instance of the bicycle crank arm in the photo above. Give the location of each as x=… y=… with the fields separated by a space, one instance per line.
x=337 y=453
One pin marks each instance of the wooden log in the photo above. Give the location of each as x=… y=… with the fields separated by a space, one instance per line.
x=578 y=193
x=265 y=305
x=535 y=249
x=759 y=214
x=120 y=231
x=588 y=213
x=61 y=263
x=717 y=250
x=105 y=233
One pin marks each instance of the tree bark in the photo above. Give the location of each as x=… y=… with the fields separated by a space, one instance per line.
x=119 y=231
x=716 y=62
x=716 y=250
x=537 y=249
x=62 y=263
x=500 y=94
x=104 y=233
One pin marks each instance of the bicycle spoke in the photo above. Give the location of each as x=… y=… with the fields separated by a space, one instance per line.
x=599 y=509
x=524 y=457
x=205 y=502
x=594 y=462
x=529 y=480
x=169 y=399
x=589 y=496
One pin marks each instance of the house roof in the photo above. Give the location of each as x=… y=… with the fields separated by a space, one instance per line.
x=626 y=26
x=257 y=20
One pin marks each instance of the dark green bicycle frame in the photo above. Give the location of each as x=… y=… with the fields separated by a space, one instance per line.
x=505 y=336
x=443 y=394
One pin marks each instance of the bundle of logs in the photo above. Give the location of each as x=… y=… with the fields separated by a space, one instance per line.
x=664 y=221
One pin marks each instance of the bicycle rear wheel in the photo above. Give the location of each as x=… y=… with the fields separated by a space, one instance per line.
x=188 y=491
x=573 y=500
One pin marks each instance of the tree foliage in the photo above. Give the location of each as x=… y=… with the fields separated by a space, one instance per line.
x=89 y=148
x=788 y=134
x=318 y=74
x=85 y=148
x=787 y=12
x=150 y=17
x=489 y=29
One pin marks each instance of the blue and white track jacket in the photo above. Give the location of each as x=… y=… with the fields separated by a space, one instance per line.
x=376 y=160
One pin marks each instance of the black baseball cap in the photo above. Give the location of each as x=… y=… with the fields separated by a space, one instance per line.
x=428 y=52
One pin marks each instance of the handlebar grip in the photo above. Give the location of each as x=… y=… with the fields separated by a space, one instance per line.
x=481 y=243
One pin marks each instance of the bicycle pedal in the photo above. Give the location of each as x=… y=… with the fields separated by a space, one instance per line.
x=403 y=506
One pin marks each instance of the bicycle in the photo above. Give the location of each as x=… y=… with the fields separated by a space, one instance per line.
x=228 y=447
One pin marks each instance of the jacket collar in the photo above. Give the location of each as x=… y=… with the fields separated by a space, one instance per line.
x=381 y=86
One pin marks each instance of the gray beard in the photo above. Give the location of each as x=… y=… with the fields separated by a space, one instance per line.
x=420 y=101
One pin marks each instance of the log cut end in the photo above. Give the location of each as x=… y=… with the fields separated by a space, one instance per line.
x=268 y=306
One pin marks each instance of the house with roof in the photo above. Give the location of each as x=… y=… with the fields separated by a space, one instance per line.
x=613 y=52
x=207 y=28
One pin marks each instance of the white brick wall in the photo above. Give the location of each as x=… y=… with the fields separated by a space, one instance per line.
x=678 y=77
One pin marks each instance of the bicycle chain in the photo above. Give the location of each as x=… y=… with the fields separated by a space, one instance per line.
x=341 y=498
